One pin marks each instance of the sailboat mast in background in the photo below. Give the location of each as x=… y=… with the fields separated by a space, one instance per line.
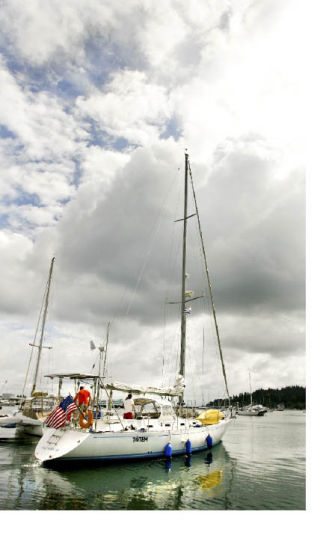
x=44 y=317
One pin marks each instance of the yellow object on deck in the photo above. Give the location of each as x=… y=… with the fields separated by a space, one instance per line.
x=210 y=416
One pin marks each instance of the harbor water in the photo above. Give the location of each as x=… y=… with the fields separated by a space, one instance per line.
x=260 y=465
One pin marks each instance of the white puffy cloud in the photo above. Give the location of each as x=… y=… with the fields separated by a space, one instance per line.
x=129 y=107
x=38 y=120
x=99 y=101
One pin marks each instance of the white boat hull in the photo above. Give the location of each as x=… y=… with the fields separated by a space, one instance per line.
x=31 y=429
x=253 y=412
x=75 y=445
x=23 y=424
x=8 y=421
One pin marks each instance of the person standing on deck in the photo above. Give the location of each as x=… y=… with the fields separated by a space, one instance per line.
x=129 y=407
x=83 y=397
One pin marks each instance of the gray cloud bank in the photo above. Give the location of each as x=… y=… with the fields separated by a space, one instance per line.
x=98 y=103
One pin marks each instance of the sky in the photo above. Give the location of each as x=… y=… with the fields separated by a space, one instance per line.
x=99 y=102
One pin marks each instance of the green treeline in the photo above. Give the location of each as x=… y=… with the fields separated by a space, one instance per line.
x=293 y=397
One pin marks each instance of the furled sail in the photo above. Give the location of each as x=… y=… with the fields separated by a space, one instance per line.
x=176 y=390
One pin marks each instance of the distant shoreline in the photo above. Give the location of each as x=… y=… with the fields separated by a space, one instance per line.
x=291 y=397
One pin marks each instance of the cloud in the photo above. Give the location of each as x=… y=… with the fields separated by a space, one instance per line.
x=99 y=102
x=128 y=107
x=39 y=161
x=39 y=121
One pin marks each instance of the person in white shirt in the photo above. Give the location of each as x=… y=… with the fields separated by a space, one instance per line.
x=129 y=407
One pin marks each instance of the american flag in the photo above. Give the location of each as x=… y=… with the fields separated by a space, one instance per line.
x=62 y=413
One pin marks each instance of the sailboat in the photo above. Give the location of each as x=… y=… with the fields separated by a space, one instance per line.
x=159 y=427
x=252 y=410
x=33 y=410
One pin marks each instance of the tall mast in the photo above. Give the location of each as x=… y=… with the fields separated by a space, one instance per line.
x=44 y=317
x=183 y=283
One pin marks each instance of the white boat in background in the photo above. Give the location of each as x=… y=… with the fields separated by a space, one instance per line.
x=7 y=434
x=33 y=411
x=253 y=411
x=159 y=427
x=7 y=403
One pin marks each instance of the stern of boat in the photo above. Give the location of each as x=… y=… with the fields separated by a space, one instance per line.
x=55 y=444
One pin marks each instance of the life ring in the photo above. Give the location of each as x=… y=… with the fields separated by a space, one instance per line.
x=86 y=423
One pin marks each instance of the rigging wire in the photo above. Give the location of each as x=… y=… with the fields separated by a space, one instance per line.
x=202 y=367
x=149 y=248
x=34 y=339
x=153 y=234
x=192 y=367
x=209 y=284
x=198 y=284
x=164 y=340
x=146 y=257
x=172 y=264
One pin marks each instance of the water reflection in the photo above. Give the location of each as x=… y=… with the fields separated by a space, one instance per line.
x=211 y=480
x=258 y=466
x=161 y=484
x=174 y=484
